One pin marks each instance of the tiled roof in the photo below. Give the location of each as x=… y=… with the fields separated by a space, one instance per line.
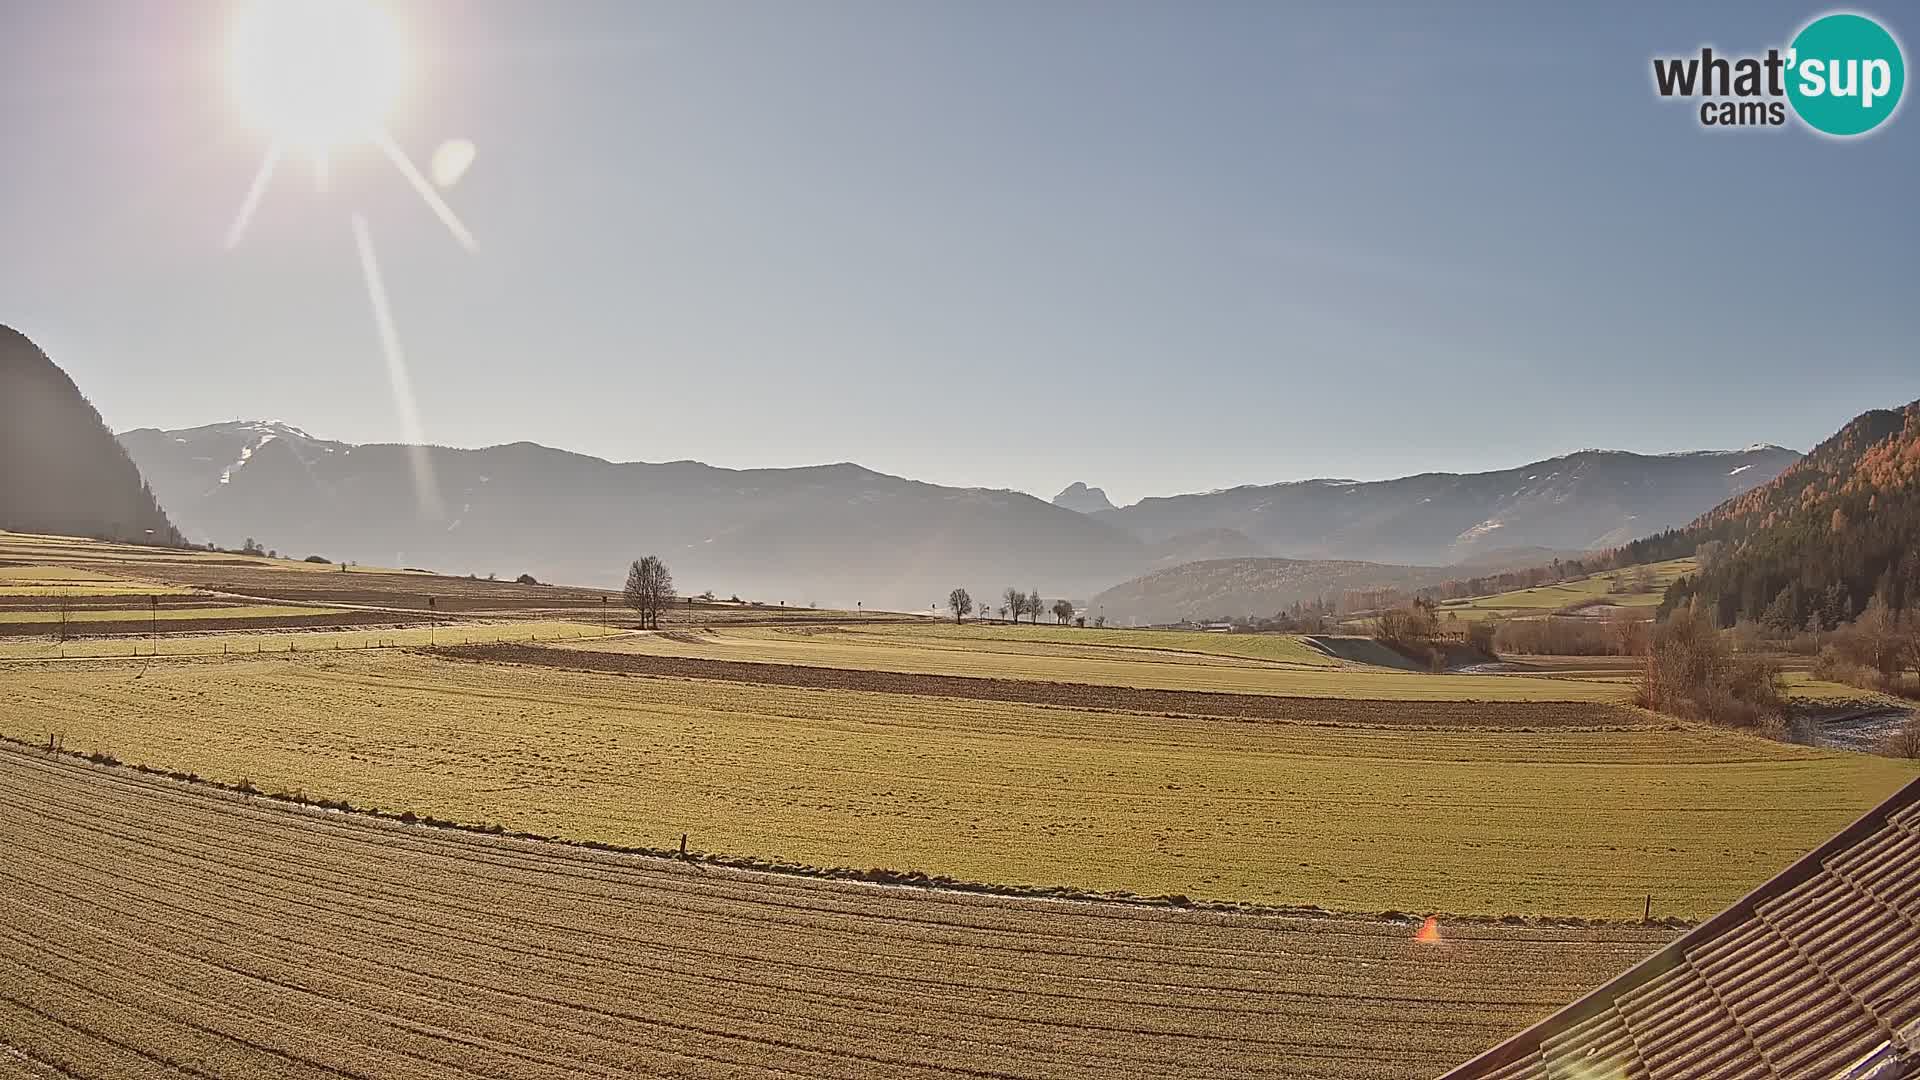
x=1814 y=975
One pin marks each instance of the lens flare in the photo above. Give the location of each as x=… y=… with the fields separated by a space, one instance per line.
x=1429 y=932
x=400 y=380
x=316 y=73
x=451 y=160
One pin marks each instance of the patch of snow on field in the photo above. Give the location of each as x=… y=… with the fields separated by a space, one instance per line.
x=1739 y=469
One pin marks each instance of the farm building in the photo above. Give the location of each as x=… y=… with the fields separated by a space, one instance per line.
x=1814 y=975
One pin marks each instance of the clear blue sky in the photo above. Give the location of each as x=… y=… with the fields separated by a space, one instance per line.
x=1156 y=247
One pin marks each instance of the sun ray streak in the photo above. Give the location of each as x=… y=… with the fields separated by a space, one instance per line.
x=254 y=191
x=426 y=189
x=402 y=384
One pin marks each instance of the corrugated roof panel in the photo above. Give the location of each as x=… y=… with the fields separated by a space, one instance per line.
x=1601 y=1047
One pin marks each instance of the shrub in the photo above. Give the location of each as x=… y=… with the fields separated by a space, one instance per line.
x=1406 y=628
x=1692 y=671
x=1481 y=635
x=318 y=559
x=526 y=579
x=1903 y=741
x=1556 y=635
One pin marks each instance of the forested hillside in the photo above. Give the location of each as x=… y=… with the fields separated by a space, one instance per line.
x=1811 y=547
x=63 y=472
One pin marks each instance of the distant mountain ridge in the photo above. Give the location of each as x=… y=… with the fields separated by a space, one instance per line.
x=1079 y=497
x=837 y=534
x=60 y=469
x=842 y=534
x=1583 y=501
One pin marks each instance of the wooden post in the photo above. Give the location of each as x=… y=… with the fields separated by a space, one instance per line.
x=1649 y=915
x=683 y=845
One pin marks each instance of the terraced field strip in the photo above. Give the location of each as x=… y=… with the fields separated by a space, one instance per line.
x=141 y=613
x=381 y=632
x=1167 y=670
x=1490 y=819
x=1530 y=715
x=1273 y=648
x=150 y=928
x=70 y=582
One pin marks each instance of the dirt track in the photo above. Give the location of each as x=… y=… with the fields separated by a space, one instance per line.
x=1333 y=711
x=154 y=928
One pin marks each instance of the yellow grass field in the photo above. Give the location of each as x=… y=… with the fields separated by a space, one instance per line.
x=1472 y=819
x=145 y=923
x=55 y=581
x=1277 y=648
x=1009 y=653
x=245 y=642
x=168 y=614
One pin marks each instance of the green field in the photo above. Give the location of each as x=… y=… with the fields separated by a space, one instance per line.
x=1614 y=587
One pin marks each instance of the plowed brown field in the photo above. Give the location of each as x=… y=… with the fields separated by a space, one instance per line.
x=153 y=928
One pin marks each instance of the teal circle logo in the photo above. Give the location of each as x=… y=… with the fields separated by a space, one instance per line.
x=1845 y=74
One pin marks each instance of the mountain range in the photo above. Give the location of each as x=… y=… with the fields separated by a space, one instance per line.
x=60 y=469
x=1585 y=501
x=842 y=534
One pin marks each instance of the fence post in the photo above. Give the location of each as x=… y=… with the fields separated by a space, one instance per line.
x=1649 y=915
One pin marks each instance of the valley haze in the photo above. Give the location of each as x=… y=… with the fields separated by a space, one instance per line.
x=842 y=534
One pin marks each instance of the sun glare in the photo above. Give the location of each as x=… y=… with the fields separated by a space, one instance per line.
x=316 y=74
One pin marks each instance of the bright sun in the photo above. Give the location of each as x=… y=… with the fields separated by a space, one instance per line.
x=316 y=73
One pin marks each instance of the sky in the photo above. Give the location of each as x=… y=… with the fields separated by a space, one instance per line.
x=1153 y=247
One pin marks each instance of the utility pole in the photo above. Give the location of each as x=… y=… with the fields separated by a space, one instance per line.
x=603 y=614
x=153 y=610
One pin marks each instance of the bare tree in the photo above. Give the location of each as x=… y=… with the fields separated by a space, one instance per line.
x=649 y=589
x=1903 y=741
x=1003 y=613
x=1062 y=611
x=1035 y=606
x=1016 y=602
x=960 y=603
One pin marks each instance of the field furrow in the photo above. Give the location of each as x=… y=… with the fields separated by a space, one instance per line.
x=149 y=925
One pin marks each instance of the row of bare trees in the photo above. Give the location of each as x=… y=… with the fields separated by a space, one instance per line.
x=1016 y=604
